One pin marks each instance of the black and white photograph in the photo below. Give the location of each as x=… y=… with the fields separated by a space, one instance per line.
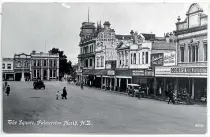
x=104 y=68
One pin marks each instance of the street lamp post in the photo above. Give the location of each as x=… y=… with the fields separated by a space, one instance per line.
x=154 y=81
x=22 y=77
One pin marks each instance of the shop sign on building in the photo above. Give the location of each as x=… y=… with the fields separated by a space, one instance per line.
x=149 y=73
x=111 y=72
x=169 y=59
x=138 y=73
x=157 y=59
x=189 y=70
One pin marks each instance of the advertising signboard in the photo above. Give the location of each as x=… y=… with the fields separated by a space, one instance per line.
x=138 y=73
x=110 y=72
x=157 y=59
x=189 y=70
x=169 y=59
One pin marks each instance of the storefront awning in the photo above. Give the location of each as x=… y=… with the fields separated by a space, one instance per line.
x=90 y=71
x=123 y=73
x=101 y=72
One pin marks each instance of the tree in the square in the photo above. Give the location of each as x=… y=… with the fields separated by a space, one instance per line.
x=65 y=66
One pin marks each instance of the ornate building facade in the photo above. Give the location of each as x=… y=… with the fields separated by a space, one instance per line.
x=192 y=51
x=22 y=67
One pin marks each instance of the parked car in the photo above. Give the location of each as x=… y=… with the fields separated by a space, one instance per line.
x=142 y=90
x=133 y=89
x=38 y=84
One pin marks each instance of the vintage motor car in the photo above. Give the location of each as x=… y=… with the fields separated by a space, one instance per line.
x=142 y=90
x=136 y=90
x=133 y=89
x=39 y=85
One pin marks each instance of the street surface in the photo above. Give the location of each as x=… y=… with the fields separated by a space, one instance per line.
x=95 y=111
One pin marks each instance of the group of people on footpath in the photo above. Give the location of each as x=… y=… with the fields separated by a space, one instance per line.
x=63 y=95
x=6 y=88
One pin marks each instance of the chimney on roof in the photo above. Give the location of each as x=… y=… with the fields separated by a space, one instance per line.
x=131 y=32
x=178 y=19
x=34 y=51
x=167 y=38
x=106 y=25
x=135 y=37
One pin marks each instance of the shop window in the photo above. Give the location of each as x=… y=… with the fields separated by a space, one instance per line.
x=146 y=57
x=182 y=54
x=205 y=52
x=8 y=66
x=134 y=58
x=3 y=66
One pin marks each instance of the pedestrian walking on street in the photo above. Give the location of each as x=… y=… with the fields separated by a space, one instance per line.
x=7 y=90
x=81 y=85
x=64 y=93
x=57 y=95
x=171 y=97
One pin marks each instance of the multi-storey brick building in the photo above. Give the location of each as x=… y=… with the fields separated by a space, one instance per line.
x=44 y=66
x=189 y=73
x=86 y=58
x=192 y=52
x=133 y=59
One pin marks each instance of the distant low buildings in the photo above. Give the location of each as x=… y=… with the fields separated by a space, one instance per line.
x=8 y=69
x=25 y=67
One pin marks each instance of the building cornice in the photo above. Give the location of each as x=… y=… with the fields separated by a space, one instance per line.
x=87 y=42
x=86 y=55
x=190 y=30
x=192 y=36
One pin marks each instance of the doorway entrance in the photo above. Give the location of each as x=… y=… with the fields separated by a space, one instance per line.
x=45 y=74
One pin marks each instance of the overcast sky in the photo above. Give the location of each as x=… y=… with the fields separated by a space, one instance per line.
x=26 y=26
